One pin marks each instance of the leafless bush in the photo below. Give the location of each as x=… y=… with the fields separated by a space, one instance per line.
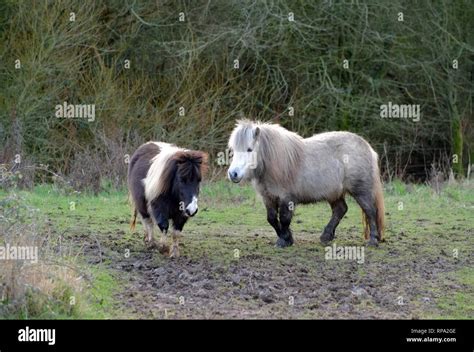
x=191 y=65
x=41 y=282
x=19 y=175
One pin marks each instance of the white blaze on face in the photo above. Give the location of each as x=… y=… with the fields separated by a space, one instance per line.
x=192 y=207
x=241 y=163
x=244 y=156
x=238 y=167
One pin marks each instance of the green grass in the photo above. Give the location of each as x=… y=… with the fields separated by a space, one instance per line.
x=422 y=226
x=460 y=304
x=100 y=297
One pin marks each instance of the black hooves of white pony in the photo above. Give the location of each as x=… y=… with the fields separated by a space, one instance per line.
x=282 y=243
x=327 y=237
x=373 y=242
x=326 y=166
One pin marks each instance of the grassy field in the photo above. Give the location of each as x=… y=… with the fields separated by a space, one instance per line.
x=229 y=267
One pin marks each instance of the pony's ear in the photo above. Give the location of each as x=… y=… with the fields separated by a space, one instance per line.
x=204 y=159
x=204 y=163
x=256 y=132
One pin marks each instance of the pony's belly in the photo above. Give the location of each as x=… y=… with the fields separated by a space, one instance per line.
x=302 y=192
x=310 y=190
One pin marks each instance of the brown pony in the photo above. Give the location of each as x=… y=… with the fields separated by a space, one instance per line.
x=164 y=182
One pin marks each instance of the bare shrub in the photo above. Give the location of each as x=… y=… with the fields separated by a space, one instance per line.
x=41 y=283
x=191 y=65
x=86 y=171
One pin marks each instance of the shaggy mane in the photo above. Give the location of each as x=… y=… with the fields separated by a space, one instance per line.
x=189 y=164
x=279 y=151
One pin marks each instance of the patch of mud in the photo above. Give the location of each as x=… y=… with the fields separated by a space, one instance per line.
x=257 y=286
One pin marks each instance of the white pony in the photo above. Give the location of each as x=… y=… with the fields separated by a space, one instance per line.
x=286 y=169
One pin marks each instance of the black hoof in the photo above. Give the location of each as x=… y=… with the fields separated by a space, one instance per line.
x=326 y=237
x=373 y=242
x=282 y=243
x=150 y=245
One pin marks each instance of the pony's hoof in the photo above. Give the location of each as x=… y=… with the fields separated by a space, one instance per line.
x=282 y=243
x=373 y=242
x=151 y=244
x=163 y=248
x=326 y=238
x=174 y=253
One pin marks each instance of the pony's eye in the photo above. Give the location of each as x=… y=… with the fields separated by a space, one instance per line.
x=249 y=150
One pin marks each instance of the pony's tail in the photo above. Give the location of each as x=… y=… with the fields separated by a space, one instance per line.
x=365 y=222
x=133 y=221
x=379 y=204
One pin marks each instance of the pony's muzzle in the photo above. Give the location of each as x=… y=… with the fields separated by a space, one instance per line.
x=192 y=208
x=188 y=213
x=234 y=176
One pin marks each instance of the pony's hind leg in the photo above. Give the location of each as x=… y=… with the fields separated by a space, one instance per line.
x=147 y=222
x=149 y=231
x=339 y=209
x=285 y=237
x=367 y=203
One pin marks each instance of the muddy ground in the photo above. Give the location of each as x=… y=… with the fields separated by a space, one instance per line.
x=230 y=268
x=298 y=283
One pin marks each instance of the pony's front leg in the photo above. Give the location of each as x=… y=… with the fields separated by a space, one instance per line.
x=272 y=216
x=178 y=224
x=160 y=215
x=163 y=247
x=163 y=224
x=174 y=252
x=285 y=237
